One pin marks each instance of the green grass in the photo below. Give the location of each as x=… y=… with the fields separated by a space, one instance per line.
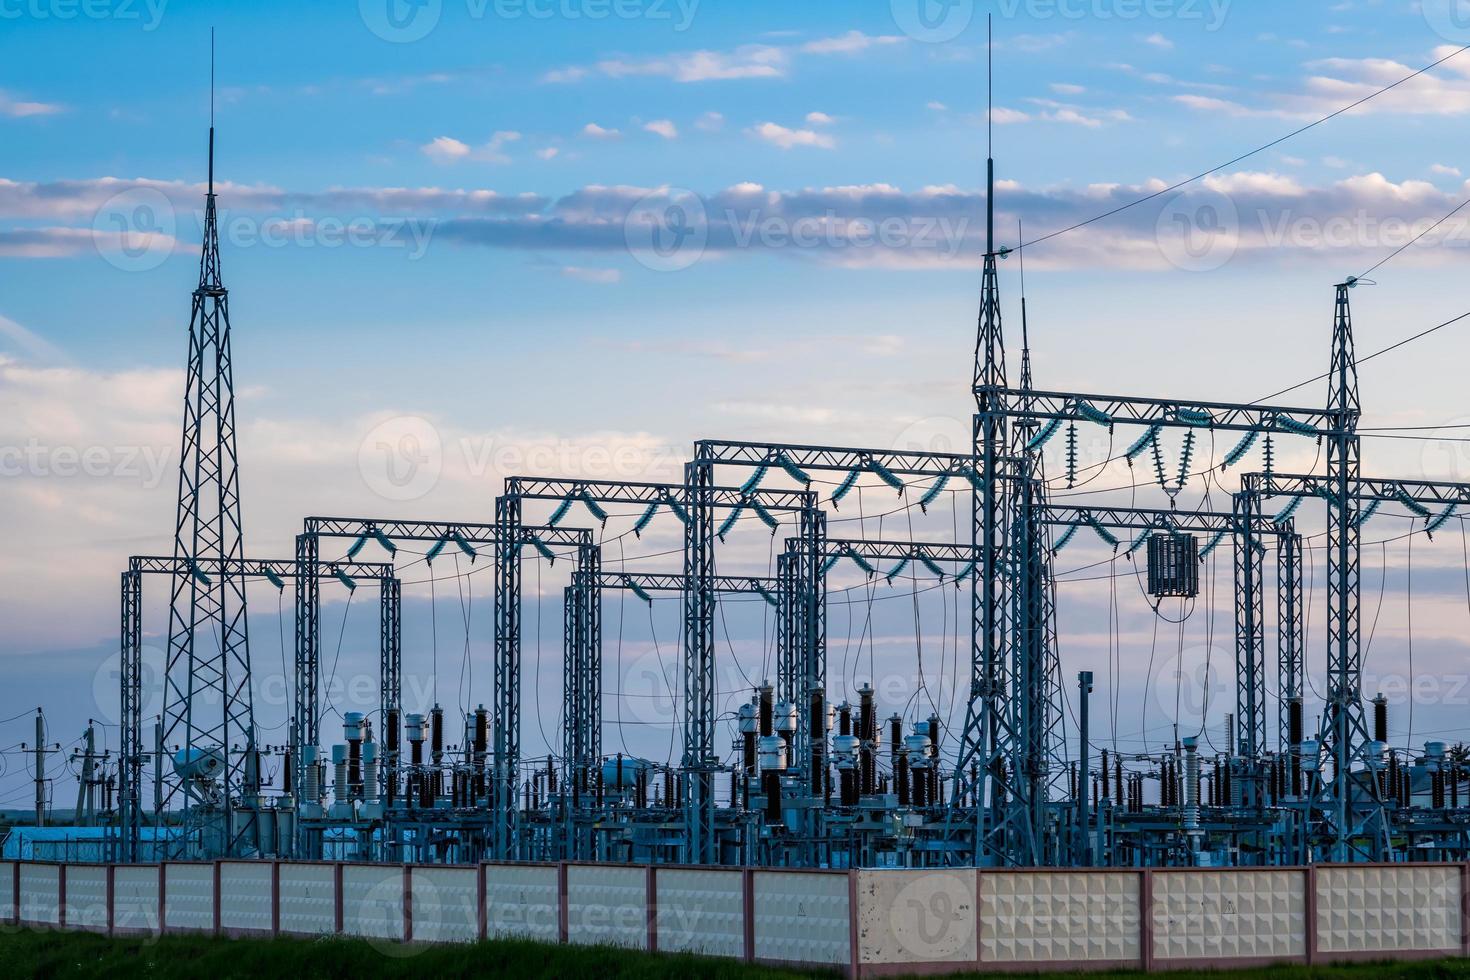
x=63 y=955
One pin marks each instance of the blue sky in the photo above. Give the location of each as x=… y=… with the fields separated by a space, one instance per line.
x=496 y=290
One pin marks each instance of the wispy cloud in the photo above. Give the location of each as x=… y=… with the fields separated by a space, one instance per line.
x=662 y=127
x=787 y=139
x=446 y=149
x=20 y=109
x=750 y=61
x=596 y=132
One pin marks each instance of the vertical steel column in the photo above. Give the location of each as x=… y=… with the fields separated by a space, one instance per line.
x=1288 y=628
x=1250 y=640
x=130 y=761
x=699 y=667
x=390 y=674
x=507 y=712
x=305 y=723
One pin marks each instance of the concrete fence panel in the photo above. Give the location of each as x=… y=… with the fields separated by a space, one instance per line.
x=246 y=898
x=1061 y=918
x=135 y=906
x=86 y=897
x=9 y=872
x=802 y=917
x=188 y=897
x=372 y=900
x=700 y=910
x=917 y=919
x=445 y=905
x=1226 y=918
x=308 y=899
x=607 y=905
x=40 y=895
x=1380 y=909
x=523 y=901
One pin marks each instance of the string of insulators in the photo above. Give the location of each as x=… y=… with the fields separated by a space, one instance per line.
x=345 y=579
x=1144 y=441
x=886 y=475
x=594 y=508
x=561 y=511
x=930 y=564
x=898 y=570
x=1403 y=495
x=1270 y=454
x=543 y=550
x=1158 y=455
x=464 y=545
x=765 y=593
x=1441 y=519
x=1072 y=455
x=767 y=518
x=1286 y=513
x=357 y=546
x=1195 y=417
x=198 y=573
x=792 y=470
x=730 y=519
x=860 y=562
x=645 y=520
x=677 y=509
x=639 y=592
x=1094 y=414
x=1288 y=424
x=1241 y=448
x=1065 y=539
x=383 y=541
x=1102 y=532
x=830 y=563
x=275 y=579
x=1367 y=515
x=1140 y=541
x=932 y=494
x=1327 y=495
x=435 y=550
x=754 y=481
x=848 y=483
x=1209 y=549
x=1045 y=435
x=968 y=472
x=1185 y=458
x=965 y=572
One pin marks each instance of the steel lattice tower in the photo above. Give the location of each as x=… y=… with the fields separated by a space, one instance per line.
x=207 y=698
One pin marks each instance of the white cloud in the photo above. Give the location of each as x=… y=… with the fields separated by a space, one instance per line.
x=746 y=62
x=938 y=106
x=594 y=131
x=547 y=152
x=446 y=149
x=853 y=42
x=710 y=122
x=1063 y=88
x=819 y=119
x=1445 y=171
x=601 y=277
x=1002 y=116
x=17 y=109
x=664 y=128
x=1159 y=41
x=787 y=139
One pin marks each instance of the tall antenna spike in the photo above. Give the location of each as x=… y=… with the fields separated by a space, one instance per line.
x=989 y=136
x=211 y=111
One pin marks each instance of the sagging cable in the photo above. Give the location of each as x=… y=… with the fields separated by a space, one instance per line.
x=932 y=494
x=886 y=475
x=792 y=470
x=1417 y=508
x=847 y=484
x=1045 y=435
x=1144 y=441
x=750 y=485
x=1241 y=448
x=1094 y=414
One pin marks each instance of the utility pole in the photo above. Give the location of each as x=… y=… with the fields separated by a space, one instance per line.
x=86 y=783
x=40 y=769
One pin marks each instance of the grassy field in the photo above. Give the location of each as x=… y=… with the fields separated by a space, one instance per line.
x=66 y=955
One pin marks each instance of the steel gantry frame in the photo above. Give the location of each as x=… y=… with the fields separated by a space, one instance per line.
x=694 y=502
x=277 y=572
